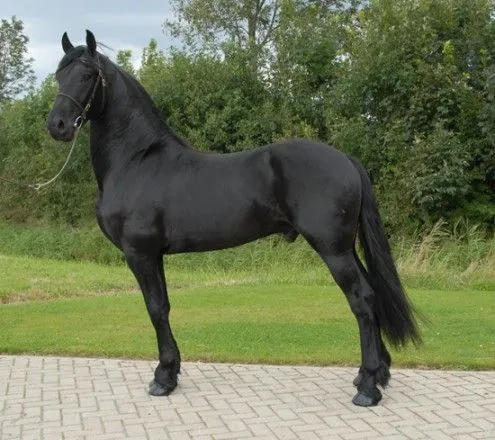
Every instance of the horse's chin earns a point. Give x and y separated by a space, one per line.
65 136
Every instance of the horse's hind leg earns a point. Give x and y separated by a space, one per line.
383 374
346 272
151 278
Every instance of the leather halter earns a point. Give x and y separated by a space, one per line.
84 110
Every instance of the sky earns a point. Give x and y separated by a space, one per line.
119 24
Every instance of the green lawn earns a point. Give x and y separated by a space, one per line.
28 279
236 320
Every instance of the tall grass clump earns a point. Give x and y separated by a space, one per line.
58 243
441 257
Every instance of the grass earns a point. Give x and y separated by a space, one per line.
461 258
29 279
267 301
96 310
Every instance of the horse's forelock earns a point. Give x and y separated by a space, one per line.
70 56
76 53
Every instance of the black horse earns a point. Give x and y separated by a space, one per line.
157 196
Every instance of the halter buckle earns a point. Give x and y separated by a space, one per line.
78 122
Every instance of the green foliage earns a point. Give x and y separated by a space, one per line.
124 60
30 155
308 43
216 26
215 104
16 74
437 176
407 86
409 102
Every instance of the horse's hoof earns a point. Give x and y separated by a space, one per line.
357 380
361 399
157 389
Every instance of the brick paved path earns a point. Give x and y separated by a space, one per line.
64 398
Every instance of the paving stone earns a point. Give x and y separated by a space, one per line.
83 399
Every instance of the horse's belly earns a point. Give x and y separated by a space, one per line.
226 235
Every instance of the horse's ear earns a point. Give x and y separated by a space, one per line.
91 42
66 44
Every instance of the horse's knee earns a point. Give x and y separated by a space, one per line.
361 302
159 316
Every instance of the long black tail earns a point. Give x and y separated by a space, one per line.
394 312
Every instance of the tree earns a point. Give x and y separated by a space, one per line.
218 25
216 104
124 60
247 25
307 46
411 102
16 74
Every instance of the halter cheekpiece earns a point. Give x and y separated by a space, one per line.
84 110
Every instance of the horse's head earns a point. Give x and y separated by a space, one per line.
82 88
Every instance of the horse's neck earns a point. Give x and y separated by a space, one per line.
130 124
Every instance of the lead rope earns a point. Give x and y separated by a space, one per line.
77 124
39 185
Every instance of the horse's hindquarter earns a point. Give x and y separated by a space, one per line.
321 187
314 170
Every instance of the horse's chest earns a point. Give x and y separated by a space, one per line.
111 221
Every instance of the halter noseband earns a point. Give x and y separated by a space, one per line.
84 110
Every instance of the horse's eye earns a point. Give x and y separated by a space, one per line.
86 77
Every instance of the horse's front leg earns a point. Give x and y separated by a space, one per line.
151 278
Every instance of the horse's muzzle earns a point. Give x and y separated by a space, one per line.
61 130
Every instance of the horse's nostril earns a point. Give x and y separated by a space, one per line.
60 124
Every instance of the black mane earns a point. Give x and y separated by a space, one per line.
70 56
132 81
